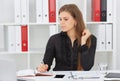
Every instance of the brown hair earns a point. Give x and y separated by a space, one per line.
77 15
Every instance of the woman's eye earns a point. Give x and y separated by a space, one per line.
60 19
65 19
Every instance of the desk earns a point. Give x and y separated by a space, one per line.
71 76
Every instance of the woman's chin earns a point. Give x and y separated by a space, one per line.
64 30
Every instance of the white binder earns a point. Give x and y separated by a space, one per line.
24 11
17 8
18 38
109 10
109 37
52 30
10 38
101 37
45 11
39 13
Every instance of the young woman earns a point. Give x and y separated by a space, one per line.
74 47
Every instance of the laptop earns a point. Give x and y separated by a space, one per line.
7 70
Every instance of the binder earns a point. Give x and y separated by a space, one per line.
24 12
109 10
103 10
45 11
39 13
101 37
17 9
109 41
96 10
10 36
99 31
24 38
18 38
52 30
52 10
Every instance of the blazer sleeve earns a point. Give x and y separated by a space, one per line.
49 52
88 54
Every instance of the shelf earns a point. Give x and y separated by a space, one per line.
13 24
42 23
12 53
99 22
104 51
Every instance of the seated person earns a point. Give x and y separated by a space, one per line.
74 47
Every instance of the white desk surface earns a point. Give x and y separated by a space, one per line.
80 75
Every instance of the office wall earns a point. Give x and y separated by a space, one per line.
118 34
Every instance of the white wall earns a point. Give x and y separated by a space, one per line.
118 34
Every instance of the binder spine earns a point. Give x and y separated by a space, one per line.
96 10
17 6
24 12
101 37
18 38
52 10
24 37
109 37
109 11
103 10
45 11
52 30
39 11
10 38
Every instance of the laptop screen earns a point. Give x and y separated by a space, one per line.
7 70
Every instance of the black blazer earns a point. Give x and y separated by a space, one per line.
66 57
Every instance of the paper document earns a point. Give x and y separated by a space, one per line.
30 73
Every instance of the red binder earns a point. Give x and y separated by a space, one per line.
52 10
96 10
24 37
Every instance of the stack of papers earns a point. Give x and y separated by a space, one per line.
30 73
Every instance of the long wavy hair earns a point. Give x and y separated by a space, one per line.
77 15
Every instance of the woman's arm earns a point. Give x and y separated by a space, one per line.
50 52
88 54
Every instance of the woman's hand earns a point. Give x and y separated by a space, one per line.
42 67
85 35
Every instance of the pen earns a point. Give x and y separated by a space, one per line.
42 62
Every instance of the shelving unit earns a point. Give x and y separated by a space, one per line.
39 33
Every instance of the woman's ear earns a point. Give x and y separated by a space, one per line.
75 24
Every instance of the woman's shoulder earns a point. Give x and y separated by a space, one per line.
56 36
93 38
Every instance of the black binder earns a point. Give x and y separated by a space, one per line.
103 10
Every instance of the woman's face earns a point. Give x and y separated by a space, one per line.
67 22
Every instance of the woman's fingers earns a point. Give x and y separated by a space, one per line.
42 67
